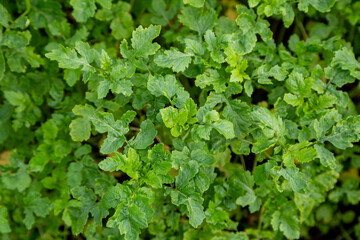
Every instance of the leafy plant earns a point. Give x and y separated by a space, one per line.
194 119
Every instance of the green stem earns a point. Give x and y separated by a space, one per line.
246 141
328 83
185 136
243 161
131 4
254 165
345 234
267 155
262 210
302 28
167 96
28 8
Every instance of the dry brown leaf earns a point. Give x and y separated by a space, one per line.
5 157
230 8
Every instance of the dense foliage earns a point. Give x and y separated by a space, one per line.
179 119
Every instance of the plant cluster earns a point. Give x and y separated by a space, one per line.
179 119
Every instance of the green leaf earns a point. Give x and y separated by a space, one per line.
163 86
301 152
80 209
320 5
38 161
124 87
19 180
122 69
211 77
288 15
216 215
142 38
116 129
245 180
193 47
225 128
253 3
83 9
173 116
66 57
38 205
195 3
327 158
104 3
129 165
243 43
80 129
262 172
71 76
296 84
344 133
293 100
174 119
112 143
50 129
173 59
104 122
18 60
215 45
146 135
74 174
197 19
153 179
202 157
236 111
286 220
249 89
16 39
4 218
345 59
122 24
115 195
62 148
103 88
306 155
113 163
267 121
324 124
4 16
129 219
85 51
262 145
2 64
195 209
295 178
187 173
245 22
